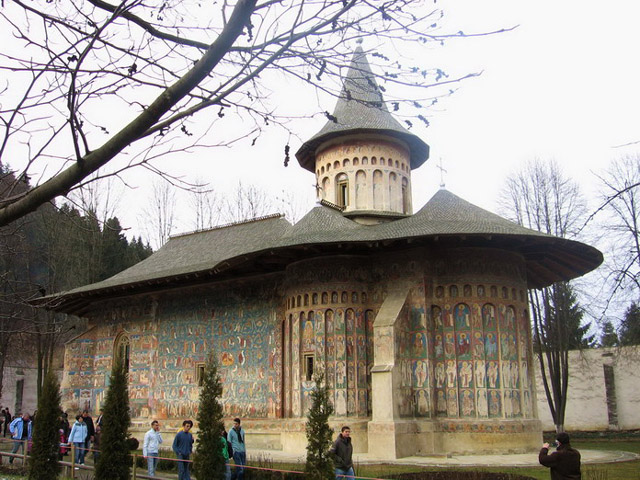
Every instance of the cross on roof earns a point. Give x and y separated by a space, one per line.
442 172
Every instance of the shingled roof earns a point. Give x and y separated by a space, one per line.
361 109
272 242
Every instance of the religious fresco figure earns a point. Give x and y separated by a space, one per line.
465 374
440 374
491 345
449 346
452 373
495 404
480 373
436 312
489 316
482 403
438 347
464 346
492 374
462 316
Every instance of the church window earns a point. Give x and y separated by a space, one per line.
467 290
200 366
299 304
365 161
397 164
306 299
334 297
328 167
494 291
405 196
345 297
354 297
481 291
336 164
439 292
505 292
122 350
356 161
374 161
308 366
346 162
514 294
390 163
342 190
364 297
325 298
314 299
322 169
453 291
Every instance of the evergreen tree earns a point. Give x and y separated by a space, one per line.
43 464
630 326
208 461
319 464
609 337
114 462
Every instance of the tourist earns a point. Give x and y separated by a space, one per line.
91 430
20 429
151 447
224 446
182 447
7 421
78 436
341 451
236 438
564 462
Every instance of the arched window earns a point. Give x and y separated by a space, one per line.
342 190
122 350
406 202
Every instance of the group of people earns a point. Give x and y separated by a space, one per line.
232 445
564 463
84 435
5 420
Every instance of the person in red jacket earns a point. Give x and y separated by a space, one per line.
564 463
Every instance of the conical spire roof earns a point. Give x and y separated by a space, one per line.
361 109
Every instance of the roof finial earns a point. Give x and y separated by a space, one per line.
442 172
359 40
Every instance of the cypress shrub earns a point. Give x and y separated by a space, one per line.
43 464
114 462
319 465
208 461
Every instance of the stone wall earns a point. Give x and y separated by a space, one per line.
604 390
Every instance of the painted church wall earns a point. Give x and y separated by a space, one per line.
169 341
597 401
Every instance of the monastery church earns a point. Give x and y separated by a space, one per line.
419 321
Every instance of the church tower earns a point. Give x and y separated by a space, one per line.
363 156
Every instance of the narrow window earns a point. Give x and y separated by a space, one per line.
342 190
200 374
308 366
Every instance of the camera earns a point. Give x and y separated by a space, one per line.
554 444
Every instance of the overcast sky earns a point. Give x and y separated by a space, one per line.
564 84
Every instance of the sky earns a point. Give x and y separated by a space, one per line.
563 85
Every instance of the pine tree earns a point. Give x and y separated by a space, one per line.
630 326
43 464
319 464
114 462
609 337
208 461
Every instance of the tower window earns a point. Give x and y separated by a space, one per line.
342 190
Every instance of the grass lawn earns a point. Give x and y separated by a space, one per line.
609 471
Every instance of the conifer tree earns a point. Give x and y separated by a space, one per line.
114 462
43 464
208 461
319 464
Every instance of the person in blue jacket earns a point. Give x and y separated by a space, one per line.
78 436
20 430
236 439
182 447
